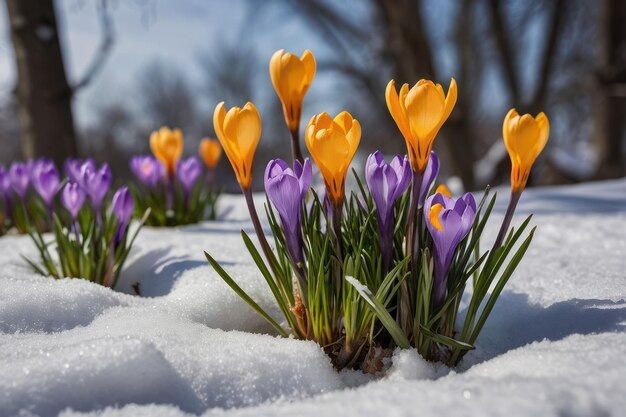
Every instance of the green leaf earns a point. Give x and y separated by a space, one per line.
448 341
500 285
381 312
279 293
244 296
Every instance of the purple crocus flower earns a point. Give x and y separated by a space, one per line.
286 188
386 183
45 180
73 168
20 178
96 183
188 171
429 176
5 190
122 206
73 197
5 181
147 169
448 220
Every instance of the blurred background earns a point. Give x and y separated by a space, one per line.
95 77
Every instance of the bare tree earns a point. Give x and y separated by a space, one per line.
231 74
611 91
392 39
165 97
44 95
9 132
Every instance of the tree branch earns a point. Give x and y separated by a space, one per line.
549 55
104 49
407 41
504 47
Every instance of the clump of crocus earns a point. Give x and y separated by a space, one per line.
90 241
363 273
292 77
171 187
419 112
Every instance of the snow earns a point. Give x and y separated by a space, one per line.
555 344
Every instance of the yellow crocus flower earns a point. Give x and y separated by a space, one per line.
239 132
443 189
167 147
419 113
210 151
332 144
292 77
524 137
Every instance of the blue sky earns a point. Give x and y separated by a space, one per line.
175 32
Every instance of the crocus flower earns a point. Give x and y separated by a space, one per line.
5 190
147 169
188 171
73 197
286 189
332 144
96 183
239 132
448 220
167 147
386 182
122 206
210 151
45 180
292 77
73 168
20 178
5 182
443 189
419 113
525 137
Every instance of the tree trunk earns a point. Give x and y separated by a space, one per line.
611 103
43 93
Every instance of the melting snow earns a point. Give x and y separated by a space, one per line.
555 344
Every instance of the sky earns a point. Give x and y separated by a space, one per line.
174 32
179 32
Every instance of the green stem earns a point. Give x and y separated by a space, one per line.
296 152
338 238
412 249
258 229
506 222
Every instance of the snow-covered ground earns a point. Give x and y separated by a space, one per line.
554 346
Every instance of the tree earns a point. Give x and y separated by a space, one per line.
165 97
611 82
43 93
392 39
